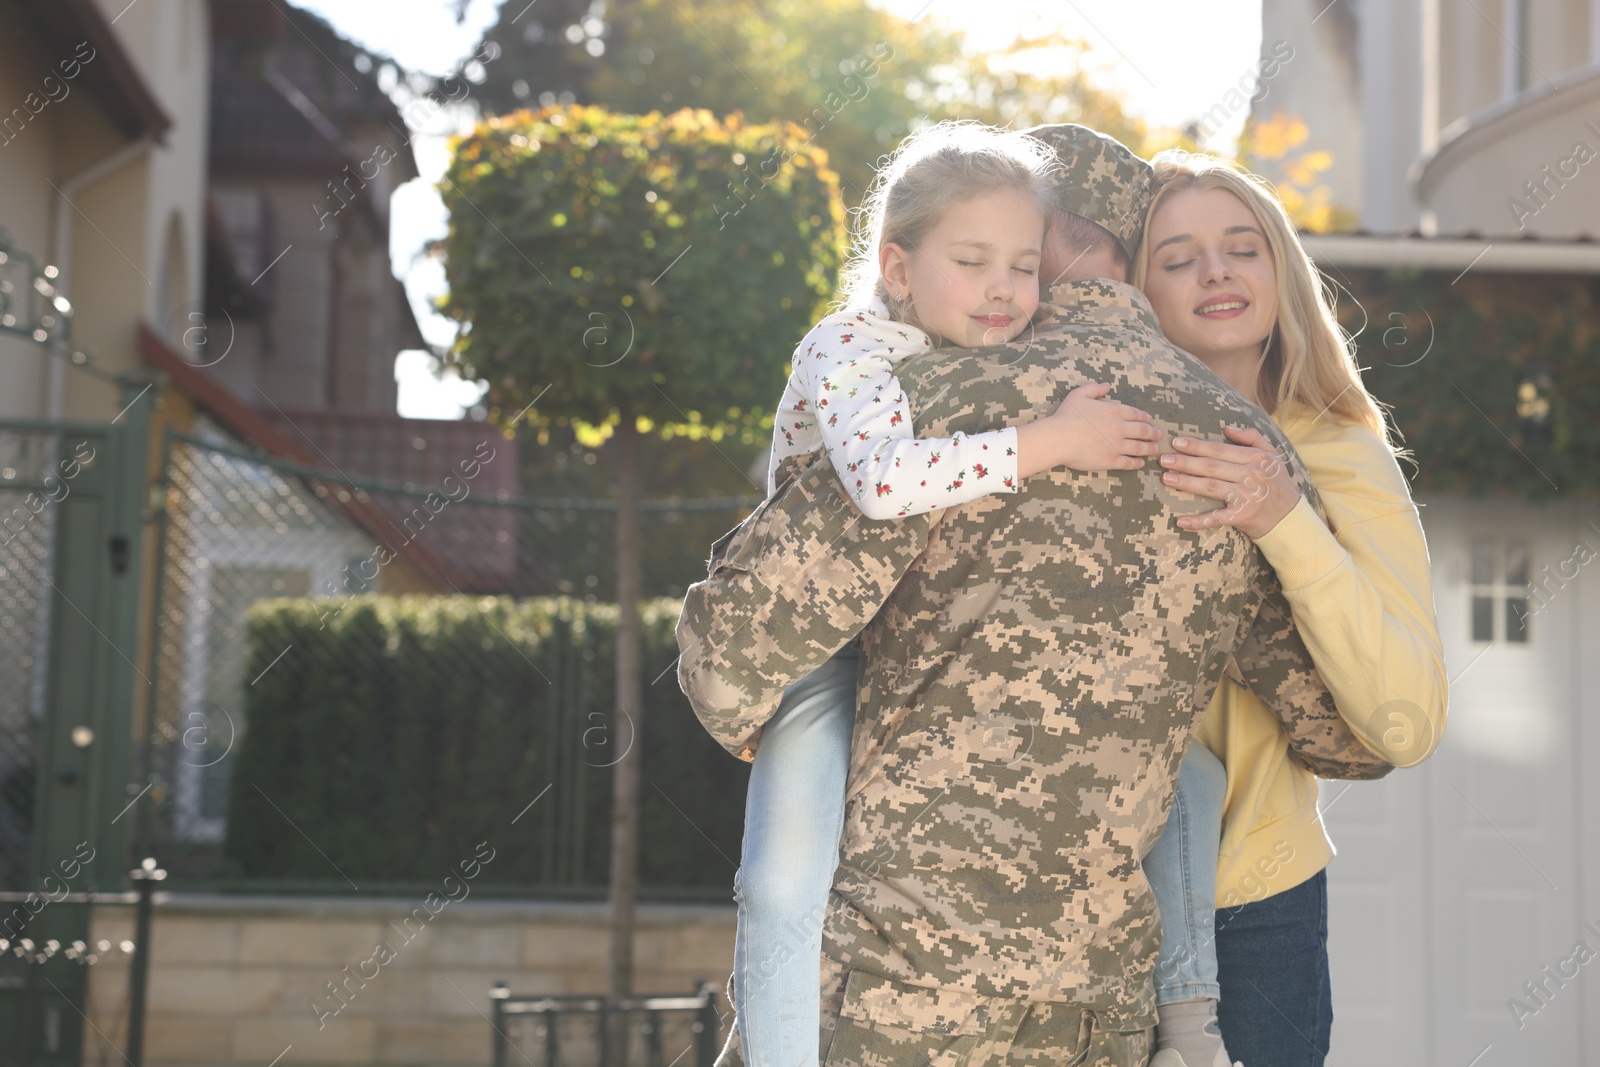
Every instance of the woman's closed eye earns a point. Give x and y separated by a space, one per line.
1245 253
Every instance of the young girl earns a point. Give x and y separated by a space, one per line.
948 254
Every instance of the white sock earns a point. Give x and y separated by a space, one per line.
1190 1026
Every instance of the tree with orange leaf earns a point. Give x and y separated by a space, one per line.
1308 201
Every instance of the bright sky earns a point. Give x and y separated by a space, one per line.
1195 54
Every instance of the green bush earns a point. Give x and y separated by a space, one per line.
399 732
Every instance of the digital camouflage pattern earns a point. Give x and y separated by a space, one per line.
1029 686
877 1022
1035 669
1099 178
789 587
806 565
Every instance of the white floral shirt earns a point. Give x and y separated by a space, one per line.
843 396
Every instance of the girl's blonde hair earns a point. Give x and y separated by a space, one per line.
934 168
1309 361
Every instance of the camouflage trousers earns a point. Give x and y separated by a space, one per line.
871 1021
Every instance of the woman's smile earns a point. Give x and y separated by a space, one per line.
1230 306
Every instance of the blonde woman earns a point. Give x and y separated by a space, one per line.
1231 284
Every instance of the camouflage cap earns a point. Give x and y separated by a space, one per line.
1100 178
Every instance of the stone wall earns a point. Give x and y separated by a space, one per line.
238 980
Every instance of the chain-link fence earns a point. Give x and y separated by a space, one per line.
406 662
30 484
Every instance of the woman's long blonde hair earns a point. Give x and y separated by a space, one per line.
934 168
1309 361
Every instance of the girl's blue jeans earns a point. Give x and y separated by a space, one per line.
794 812
1182 869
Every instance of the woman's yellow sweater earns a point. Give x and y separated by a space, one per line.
1363 601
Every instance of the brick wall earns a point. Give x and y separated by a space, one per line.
234 980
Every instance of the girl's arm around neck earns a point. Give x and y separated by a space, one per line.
846 369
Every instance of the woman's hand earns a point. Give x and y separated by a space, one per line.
1248 476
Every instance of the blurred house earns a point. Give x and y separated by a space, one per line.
1444 118
304 153
1465 139
102 177
195 278
305 150
294 355
102 192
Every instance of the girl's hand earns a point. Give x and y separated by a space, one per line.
1088 433
1248 476
1097 434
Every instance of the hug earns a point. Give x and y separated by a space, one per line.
1085 553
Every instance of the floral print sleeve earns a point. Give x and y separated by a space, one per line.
843 396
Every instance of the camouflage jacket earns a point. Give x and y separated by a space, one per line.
805 572
1033 666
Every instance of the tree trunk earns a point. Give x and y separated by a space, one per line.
629 717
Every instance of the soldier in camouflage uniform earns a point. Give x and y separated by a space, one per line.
1032 668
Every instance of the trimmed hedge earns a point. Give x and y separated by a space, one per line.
401 731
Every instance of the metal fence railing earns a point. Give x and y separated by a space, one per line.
237 530
656 1031
26 953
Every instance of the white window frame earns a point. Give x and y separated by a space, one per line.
1499 591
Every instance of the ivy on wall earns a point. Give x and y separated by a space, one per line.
1493 379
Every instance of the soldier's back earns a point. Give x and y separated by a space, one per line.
1028 687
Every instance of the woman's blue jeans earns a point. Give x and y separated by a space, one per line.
794 812
1182 869
1272 957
